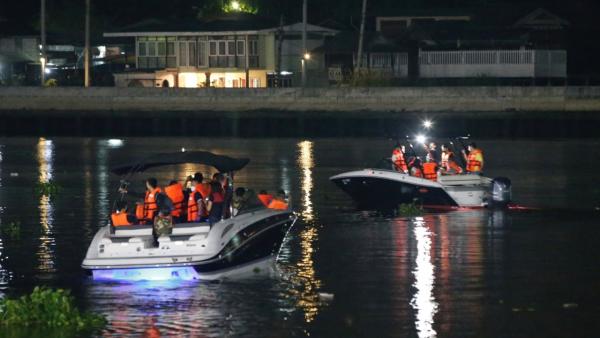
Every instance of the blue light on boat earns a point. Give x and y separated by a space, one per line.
146 274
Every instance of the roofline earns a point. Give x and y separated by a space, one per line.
135 34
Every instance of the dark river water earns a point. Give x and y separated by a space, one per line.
341 272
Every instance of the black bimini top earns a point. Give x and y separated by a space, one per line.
220 162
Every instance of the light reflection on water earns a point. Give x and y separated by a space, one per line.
423 300
45 253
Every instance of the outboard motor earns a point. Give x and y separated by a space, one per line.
501 192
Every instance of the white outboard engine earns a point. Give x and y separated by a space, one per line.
501 192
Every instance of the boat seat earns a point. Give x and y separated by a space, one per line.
190 228
134 230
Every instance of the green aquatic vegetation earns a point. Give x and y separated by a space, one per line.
48 188
47 308
11 229
410 210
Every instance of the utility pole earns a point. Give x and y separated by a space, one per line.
43 42
86 51
361 38
304 52
279 46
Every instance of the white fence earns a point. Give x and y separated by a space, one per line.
493 63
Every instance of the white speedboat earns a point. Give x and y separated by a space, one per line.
375 188
232 246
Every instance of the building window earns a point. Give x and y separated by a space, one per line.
231 48
213 48
192 53
142 49
222 50
183 54
201 53
151 48
253 47
162 50
240 48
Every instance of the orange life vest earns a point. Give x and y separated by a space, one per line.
474 163
175 193
430 171
149 209
448 162
278 205
416 172
399 162
119 219
192 206
204 189
265 199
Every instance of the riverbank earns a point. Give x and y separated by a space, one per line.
285 100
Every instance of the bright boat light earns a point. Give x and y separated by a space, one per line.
421 139
146 274
427 124
115 142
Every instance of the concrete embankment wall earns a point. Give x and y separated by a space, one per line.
400 99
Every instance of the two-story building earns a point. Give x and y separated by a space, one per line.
232 51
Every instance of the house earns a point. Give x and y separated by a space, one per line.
232 51
435 44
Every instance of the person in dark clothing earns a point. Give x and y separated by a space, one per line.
215 204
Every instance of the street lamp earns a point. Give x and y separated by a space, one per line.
235 5
306 56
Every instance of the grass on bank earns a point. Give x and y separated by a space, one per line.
46 308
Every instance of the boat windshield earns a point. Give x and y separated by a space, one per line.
247 202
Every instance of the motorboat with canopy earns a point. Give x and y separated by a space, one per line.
196 250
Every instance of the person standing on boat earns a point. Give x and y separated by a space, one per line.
448 164
474 158
175 193
215 203
196 206
398 161
155 201
433 155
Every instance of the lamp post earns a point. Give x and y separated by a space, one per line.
86 52
43 42
304 51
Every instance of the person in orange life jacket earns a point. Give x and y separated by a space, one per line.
279 202
415 167
215 203
155 201
398 161
265 197
447 164
474 159
175 193
120 217
196 206
430 169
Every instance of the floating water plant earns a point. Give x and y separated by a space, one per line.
48 188
11 229
410 210
47 308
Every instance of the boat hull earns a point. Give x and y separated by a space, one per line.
382 189
251 247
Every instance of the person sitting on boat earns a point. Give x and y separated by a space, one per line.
448 164
415 167
120 217
244 199
279 202
265 197
474 158
398 161
430 169
175 193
